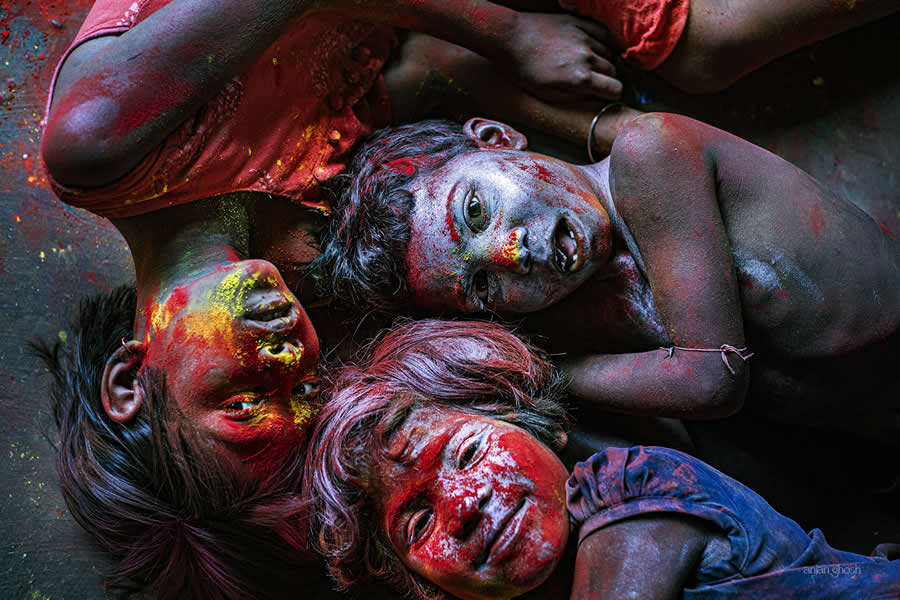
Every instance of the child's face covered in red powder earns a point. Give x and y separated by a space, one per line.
473 504
240 356
503 230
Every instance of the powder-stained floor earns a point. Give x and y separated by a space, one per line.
833 109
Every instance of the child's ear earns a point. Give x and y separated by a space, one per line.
494 134
122 398
560 440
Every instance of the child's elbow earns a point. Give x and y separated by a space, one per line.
720 393
79 149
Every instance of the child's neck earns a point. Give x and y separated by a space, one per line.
598 176
172 245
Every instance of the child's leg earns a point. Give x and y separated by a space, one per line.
726 39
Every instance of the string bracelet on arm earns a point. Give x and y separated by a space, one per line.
724 349
590 135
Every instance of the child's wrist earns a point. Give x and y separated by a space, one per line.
605 126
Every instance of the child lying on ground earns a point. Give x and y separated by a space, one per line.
433 467
665 266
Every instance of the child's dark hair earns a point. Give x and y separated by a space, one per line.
474 367
364 246
177 523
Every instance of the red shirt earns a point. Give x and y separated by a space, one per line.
281 126
645 30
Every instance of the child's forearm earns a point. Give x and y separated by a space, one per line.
436 78
665 383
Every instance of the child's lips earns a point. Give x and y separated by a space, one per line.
274 316
568 253
502 540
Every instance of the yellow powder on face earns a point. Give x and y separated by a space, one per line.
304 411
288 360
214 325
224 303
160 317
232 291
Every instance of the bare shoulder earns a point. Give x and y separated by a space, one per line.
69 73
667 137
656 146
659 158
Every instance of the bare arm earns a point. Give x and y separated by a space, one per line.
118 97
643 557
435 78
664 183
724 40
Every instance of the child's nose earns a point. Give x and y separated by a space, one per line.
468 513
511 252
282 355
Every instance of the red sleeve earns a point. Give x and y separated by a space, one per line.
646 31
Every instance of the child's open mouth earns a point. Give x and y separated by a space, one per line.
277 316
567 253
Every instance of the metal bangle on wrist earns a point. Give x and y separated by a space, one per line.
590 135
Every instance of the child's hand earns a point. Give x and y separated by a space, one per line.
562 58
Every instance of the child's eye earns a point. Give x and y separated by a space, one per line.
476 213
481 287
305 389
417 525
242 408
468 453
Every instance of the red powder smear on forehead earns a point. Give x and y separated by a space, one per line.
451 226
545 175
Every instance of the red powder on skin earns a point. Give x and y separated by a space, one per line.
481 15
230 253
540 172
817 220
689 373
886 231
509 254
451 226
148 308
178 299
